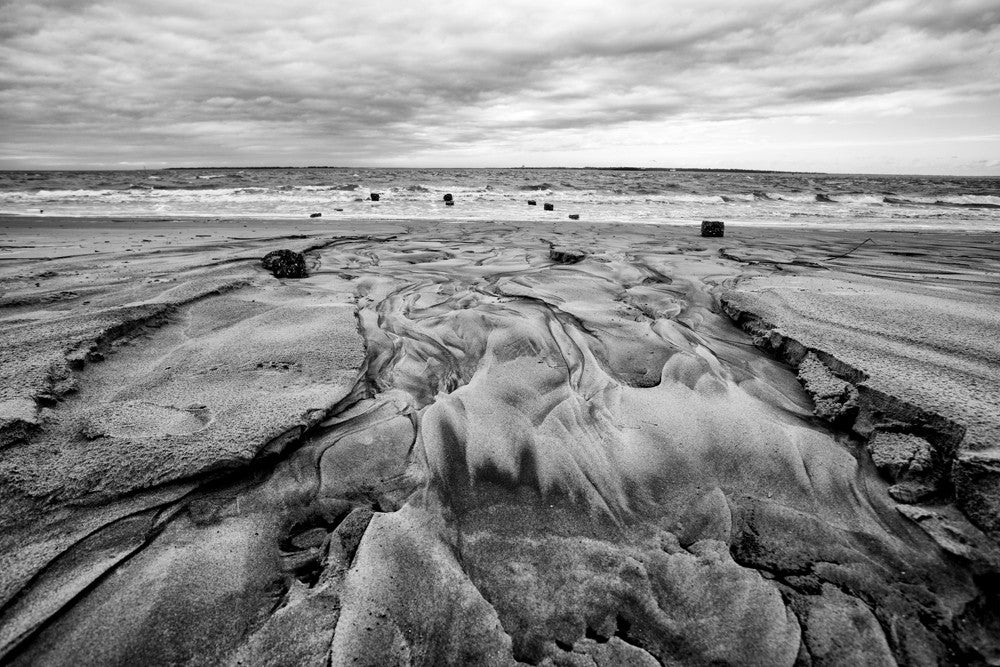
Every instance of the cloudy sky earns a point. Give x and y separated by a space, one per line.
896 86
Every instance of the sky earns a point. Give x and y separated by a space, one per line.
893 86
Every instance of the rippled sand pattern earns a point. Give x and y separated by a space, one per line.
582 464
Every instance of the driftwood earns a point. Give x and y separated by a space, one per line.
867 240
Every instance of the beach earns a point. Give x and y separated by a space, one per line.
444 446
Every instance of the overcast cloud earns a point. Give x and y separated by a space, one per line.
893 86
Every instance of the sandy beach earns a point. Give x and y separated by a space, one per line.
778 447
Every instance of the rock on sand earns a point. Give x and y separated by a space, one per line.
285 264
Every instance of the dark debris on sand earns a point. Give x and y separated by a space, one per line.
285 264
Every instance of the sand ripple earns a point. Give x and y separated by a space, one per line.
537 463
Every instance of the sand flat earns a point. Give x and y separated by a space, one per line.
442 446
911 321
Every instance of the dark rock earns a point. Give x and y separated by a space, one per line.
713 228
550 207
824 199
375 196
449 203
532 202
574 216
566 255
448 198
338 209
285 264
315 215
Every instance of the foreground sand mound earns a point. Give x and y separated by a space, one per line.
531 463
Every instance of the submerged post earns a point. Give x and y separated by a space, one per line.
713 228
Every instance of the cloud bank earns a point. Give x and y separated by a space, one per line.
897 85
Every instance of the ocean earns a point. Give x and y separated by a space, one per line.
596 195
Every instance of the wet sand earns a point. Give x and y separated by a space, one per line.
443 447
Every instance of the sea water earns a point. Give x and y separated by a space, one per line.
596 195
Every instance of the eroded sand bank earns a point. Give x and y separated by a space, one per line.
444 448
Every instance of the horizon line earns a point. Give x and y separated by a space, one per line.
548 168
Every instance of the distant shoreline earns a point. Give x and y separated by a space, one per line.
681 169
